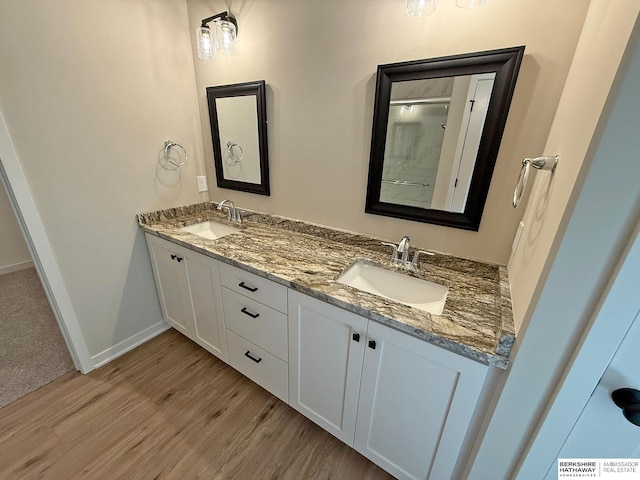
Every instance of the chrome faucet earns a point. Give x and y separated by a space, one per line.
400 254
403 248
233 214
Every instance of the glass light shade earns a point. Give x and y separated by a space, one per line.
470 3
420 8
225 37
206 43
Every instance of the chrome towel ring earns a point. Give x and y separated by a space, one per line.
233 154
168 145
539 163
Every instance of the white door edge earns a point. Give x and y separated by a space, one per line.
594 353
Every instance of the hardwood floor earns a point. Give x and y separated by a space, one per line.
168 409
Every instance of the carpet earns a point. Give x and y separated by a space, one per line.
32 349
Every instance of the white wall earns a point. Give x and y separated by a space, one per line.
610 186
90 90
602 43
14 254
319 61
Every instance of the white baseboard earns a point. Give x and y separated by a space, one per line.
130 343
15 267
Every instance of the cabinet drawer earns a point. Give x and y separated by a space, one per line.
256 322
265 369
255 287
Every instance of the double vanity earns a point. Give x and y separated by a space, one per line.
393 362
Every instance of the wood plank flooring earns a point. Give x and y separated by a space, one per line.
168 409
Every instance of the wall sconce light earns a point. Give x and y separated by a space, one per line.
422 8
221 39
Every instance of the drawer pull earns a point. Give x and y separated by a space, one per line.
247 312
255 359
246 287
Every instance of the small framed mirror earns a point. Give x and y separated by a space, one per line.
437 127
238 117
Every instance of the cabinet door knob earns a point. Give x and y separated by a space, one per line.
356 337
628 399
255 359
179 259
247 312
372 344
173 257
246 287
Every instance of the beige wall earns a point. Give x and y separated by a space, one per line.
14 253
319 61
90 90
597 58
90 100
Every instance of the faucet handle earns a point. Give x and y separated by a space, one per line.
394 257
405 243
404 247
414 262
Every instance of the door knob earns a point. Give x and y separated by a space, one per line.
628 399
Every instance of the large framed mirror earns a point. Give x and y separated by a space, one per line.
238 117
437 126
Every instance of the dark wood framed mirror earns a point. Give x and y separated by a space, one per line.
437 127
238 117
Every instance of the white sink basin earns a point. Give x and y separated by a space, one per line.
210 230
410 291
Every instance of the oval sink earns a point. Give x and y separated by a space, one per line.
404 289
210 230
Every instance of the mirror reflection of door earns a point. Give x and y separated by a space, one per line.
433 133
453 183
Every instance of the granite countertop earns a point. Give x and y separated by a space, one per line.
477 320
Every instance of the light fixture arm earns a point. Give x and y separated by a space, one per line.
222 16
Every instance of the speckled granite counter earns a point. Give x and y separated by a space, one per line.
477 320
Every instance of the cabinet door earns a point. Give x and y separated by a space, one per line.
416 402
206 303
170 276
326 350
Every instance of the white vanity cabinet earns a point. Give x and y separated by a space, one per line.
255 311
188 286
326 351
416 403
403 403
